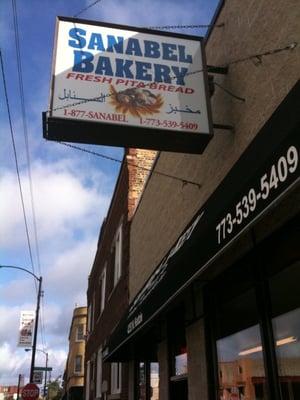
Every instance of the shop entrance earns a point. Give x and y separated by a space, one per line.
147 380
255 322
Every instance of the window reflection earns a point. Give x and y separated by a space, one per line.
181 362
241 367
286 327
154 381
142 381
148 381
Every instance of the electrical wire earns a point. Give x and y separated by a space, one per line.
24 121
86 8
185 26
16 162
156 27
183 181
25 130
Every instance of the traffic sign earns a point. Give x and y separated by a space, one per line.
43 368
30 392
37 377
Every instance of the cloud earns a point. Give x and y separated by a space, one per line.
68 202
16 361
69 273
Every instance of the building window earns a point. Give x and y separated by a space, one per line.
87 381
118 256
178 354
116 371
99 374
102 284
80 333
177 343
91 314
78 364
89 318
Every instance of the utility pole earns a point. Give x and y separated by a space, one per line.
35 328
19 383
36 314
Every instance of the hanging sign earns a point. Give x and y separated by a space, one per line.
26 328
144 88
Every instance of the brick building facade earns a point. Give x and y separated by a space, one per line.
108 291
213 265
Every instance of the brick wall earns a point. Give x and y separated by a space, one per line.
250 27
125 198
139 165
128 188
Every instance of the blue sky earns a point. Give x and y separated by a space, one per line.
71 189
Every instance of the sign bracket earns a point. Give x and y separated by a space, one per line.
224 127
217 70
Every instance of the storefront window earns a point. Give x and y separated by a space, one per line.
239 348
148 381
181 361
177 343
178 355
141 381
241 368
284 289
154 381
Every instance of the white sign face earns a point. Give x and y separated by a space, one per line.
38 377
123 77
26 328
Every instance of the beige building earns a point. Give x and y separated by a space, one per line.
74 372
214 258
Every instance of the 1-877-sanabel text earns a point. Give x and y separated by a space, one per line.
103 116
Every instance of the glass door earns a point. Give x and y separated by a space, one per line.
147 380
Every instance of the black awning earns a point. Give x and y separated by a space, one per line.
265 172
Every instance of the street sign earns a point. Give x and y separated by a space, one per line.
37 377
30 392
43 368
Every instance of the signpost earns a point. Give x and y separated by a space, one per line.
43 369
38 377
127 86
30 392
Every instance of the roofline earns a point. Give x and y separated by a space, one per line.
214 20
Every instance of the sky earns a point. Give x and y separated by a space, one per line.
71 190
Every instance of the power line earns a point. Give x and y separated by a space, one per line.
183 181
186 26
16 161
24 120
25 130
86 8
